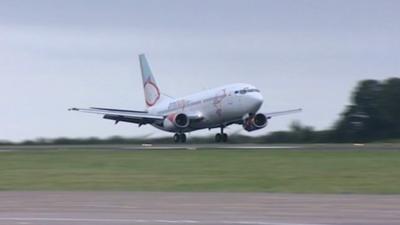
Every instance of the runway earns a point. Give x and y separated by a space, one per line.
161 208
146 146
189 146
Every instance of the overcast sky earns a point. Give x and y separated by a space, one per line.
309 54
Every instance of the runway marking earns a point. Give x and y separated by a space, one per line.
195 147
160 221
259 147
6 150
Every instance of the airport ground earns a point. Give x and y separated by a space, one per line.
186 208
200 184
244 168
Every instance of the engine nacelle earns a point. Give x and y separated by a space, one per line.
179 120
255 122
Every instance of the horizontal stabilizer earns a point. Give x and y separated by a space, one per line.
140 117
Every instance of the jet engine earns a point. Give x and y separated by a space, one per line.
255 122
179 120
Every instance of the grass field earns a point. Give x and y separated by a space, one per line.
305 171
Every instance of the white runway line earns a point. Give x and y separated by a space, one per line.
195 147
260 147
157 221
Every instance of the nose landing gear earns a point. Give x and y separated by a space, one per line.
180 137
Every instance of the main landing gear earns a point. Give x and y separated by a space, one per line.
180 137
221 137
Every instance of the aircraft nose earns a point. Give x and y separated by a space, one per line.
256 100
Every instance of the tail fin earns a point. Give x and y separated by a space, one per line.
152 94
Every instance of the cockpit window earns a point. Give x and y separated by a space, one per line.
253 90
246 90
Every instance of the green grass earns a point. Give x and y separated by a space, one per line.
306 171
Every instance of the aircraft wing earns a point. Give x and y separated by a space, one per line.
130 116
281 113
267 115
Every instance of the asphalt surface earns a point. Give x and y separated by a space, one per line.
145 146
121 208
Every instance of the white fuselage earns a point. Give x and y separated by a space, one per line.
217 107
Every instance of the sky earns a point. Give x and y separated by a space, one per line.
310 54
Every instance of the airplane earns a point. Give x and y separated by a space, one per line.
214 108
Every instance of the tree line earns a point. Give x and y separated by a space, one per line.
372 115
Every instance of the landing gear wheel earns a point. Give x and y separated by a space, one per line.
182 137
224 137
218 137
221 137
177 138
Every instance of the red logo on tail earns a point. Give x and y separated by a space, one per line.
152 93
